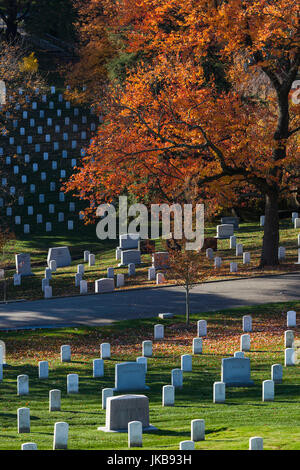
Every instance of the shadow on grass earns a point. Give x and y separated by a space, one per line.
166 432
82 412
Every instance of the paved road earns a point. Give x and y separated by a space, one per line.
95 310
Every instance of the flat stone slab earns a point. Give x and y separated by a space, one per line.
236 372
224 231
129 241
123 409
164 316
61 255
130 376
130 256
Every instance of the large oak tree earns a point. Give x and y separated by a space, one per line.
169 127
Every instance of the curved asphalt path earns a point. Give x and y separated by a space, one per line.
96 310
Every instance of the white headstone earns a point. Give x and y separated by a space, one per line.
202 328
276 373
147 348
43 370
177 378
131 269
83 287
53 265
80 269
78 279
247 323
65 353
98 368
281 252
22 385
106 393
23 420
135 434
151 274
47 292
233 267
297 223
72 383
256 443
186 445
105 351
54 400
120 280
158 332
245 343
197 345
92 260
110 273
239 354
289 357
168 395
291 319
45 283
186 363
219 392
246 257
239 249
289 339
61 432
2 352
17 279
197 430
268 390
29 446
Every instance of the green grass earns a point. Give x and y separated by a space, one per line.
250 235
228 426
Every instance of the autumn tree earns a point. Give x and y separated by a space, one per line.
169 126
96 48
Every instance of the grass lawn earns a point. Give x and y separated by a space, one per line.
228 426
63 283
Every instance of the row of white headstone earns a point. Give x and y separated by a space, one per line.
102 285
135 436
18 219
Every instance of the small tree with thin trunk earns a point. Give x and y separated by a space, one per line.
185 266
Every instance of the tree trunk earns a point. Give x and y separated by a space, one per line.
187 305
11 31
269 255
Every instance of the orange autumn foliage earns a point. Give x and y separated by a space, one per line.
168 128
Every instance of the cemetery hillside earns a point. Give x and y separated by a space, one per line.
149 227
